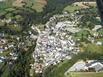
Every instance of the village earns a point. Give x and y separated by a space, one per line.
57 42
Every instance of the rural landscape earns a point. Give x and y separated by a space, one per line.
51 38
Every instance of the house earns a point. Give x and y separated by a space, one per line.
99 43
1 50
97 66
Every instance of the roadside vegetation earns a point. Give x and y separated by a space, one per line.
85 74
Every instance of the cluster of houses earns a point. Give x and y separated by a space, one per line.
4 46
55 43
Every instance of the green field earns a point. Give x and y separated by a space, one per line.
86 74
71 8
94 48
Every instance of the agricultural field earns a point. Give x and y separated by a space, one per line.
79 5
34 4
86 74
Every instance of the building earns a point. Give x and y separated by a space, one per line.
85 66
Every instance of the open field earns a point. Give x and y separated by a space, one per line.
86 74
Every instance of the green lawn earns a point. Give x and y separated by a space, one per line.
86 74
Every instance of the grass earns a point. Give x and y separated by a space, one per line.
82 34
37 5
94 48
101 31
6 73
71 8
86 74
5 4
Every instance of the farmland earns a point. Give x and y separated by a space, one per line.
79 5
34 4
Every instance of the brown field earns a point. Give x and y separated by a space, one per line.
39 4
36 4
